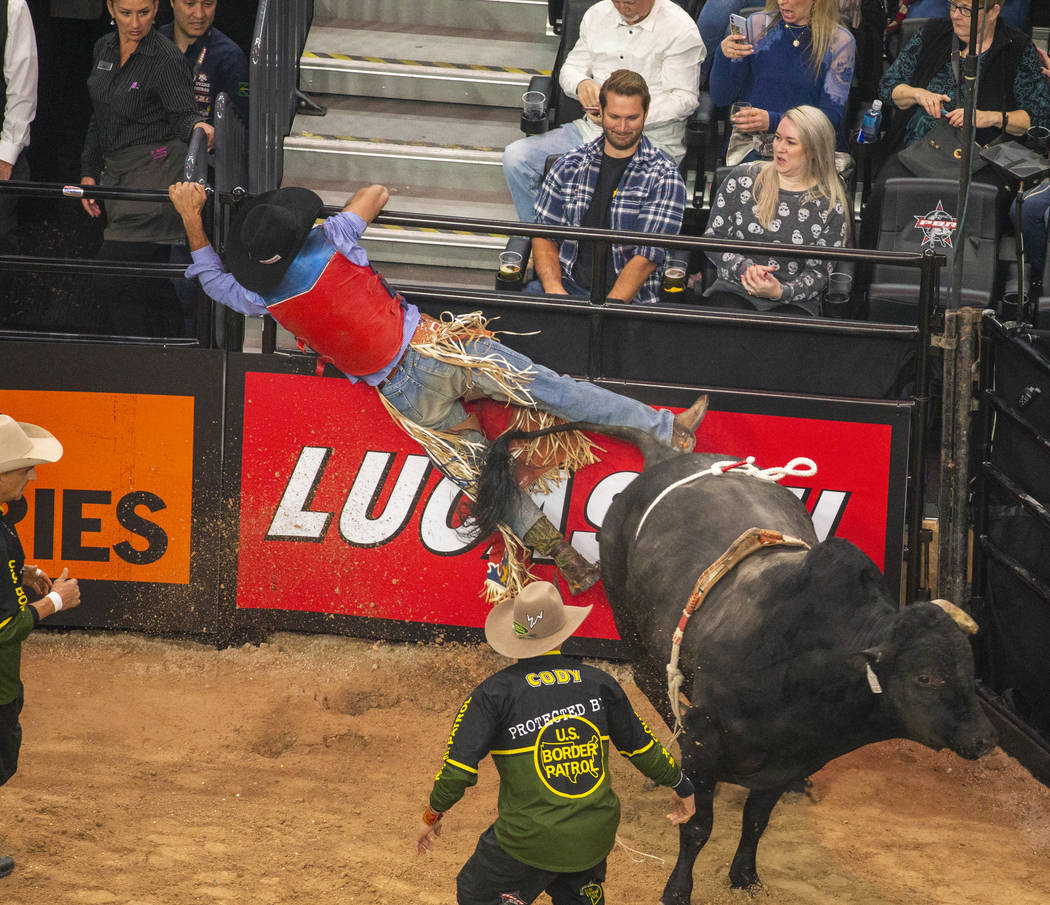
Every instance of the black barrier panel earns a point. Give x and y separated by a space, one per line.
296 460
132 507
762 353
701 347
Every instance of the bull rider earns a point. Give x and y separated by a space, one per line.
319 285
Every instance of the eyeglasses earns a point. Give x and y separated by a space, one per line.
964 11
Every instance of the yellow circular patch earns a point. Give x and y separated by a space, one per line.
569 757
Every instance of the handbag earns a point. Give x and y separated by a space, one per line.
939 152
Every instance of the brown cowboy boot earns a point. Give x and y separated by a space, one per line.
544 538
683 433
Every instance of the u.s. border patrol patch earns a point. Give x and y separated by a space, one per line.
569 757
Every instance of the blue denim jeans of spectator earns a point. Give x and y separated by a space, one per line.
1014 12
1034 217
428 392
535 287
523 162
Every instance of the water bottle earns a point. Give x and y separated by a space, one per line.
869 127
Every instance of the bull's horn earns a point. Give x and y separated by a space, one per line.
959 617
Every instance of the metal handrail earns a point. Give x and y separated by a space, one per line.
280 33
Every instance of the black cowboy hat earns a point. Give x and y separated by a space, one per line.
267 233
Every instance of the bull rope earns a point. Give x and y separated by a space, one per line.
747 543
799 467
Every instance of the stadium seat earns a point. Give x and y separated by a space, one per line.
919 215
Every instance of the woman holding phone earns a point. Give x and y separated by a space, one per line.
794 199
800 55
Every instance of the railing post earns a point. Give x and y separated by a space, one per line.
917 458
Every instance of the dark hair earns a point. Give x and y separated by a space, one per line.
626 83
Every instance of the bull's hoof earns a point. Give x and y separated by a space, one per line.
747 880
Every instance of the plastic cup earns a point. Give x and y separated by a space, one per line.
676 266
533 104
509 265
840 287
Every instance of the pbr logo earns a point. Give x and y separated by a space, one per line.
937 227
569 757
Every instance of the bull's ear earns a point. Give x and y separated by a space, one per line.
866 660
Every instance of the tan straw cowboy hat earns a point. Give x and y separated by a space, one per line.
23 445
532 623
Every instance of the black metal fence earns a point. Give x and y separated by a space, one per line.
281 27
1011 577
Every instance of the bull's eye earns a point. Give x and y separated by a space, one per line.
925 680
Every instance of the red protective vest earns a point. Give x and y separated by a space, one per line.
349 317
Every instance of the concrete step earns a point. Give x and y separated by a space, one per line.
404 143
506 16
426 64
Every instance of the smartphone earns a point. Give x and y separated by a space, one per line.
738 26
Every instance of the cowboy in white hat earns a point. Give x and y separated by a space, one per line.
22 447
547 721
316 282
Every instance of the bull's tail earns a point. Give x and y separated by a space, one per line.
497 482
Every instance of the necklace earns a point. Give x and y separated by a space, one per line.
801 29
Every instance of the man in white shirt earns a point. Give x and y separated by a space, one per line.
19 78
655 38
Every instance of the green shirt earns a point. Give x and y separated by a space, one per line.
547 722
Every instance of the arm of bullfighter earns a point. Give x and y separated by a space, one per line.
468 742
635 741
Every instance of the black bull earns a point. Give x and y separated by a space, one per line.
779 657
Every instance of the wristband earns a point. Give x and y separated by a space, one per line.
1006 120
430 816
56 599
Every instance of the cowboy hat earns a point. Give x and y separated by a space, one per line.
267 233
532 623
23 445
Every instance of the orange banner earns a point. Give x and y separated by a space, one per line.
118 505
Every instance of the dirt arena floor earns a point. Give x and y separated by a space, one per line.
162 773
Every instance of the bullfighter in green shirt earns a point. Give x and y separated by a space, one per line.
22 447
547 721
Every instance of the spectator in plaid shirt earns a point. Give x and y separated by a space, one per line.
618 181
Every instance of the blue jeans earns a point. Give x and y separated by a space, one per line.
713 23
535 287
1014 12
1034 216
428 392
523 162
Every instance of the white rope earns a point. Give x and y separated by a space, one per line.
800 467
635 851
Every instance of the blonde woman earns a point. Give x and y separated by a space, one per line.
800 55
795 199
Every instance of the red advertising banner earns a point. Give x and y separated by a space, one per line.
342 513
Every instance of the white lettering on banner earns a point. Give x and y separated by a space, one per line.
357 525
594 510
293 520
827 511
435 532
360 526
